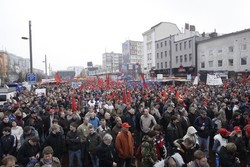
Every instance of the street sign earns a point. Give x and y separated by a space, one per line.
31 78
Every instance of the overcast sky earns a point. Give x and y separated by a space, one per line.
73 32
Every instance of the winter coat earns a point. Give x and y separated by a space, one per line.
227 159
106 154
55 163
27 151
57 142
172 133
93 141
199 122
8 144
73 141
148 152
124 144
25 138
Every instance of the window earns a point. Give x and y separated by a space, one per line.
176 47
230 62
231 49
185 45
243 61
177 59
211 63
161 55
244 47
220 51
210 52
203 65
166 53
166 64
157 56
157 45
189 44
181 58
219 63
161 44
180 46
165 43
190 57
161 65
158 66
185 58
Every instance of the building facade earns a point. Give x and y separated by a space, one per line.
156 33
229 53
132 52
175 55
77 69
111 62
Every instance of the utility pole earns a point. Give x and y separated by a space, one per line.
30 40
45 61
170 45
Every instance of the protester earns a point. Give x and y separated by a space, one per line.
48 159
200 160
227 156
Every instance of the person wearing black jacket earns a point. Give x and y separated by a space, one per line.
106 152
8 142
56 141
227 156
29 152
5 123
74 145
93 141
203 125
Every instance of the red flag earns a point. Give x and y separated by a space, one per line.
177 95
164 94
124 97
171 89
107 81
73 103
144 82
130 100
79 103
57 78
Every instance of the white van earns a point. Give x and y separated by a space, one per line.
6 94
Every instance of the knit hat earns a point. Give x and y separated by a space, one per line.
191 130
237 129
48 150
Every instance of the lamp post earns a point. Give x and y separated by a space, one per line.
45 61
30 46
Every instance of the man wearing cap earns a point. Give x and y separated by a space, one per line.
125 146
221 139
203 125
48 159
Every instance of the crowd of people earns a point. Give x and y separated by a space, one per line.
169 126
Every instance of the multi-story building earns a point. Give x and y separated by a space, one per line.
132 52
77 69
3 66
111 62
156 33
228 53
175 55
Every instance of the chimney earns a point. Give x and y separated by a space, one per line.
192 28
186 26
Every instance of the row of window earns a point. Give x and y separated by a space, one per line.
165 54
158 65
179 45
181 58
161 44
230 50
243 61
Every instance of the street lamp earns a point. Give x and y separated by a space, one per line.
30 46
45 61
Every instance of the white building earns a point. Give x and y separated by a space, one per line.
111 62
132 52
226 53
77 69
156 33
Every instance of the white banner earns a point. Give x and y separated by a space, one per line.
214 80
196 80
40 92
159 76
76 85
189 77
